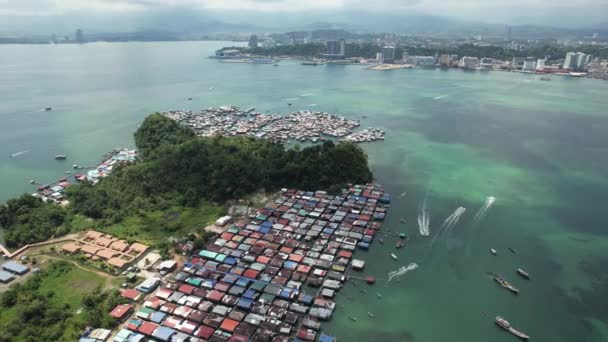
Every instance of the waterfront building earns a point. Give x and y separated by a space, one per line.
388 54
444 60
540 64
379 57
529 65
581 60
253 42
420 60
570 61
469 62
486 63
227 54
517 62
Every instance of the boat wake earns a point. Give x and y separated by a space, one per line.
439 97
423 220
481 213
305 95
449 223
312 105
401 271
19 153
292 99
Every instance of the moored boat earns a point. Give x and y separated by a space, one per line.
512 250
61 157
493 251
399 243
393 256
503 323
381 240
523 273
505 284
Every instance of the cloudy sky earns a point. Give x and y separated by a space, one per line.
542 12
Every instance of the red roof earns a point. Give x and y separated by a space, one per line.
131 294
345 254
238 338
253 274
229 325
147 328
215 296
204 332
121 311
187 289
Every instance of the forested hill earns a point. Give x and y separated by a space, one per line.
179 169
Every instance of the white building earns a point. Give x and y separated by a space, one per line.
540 64
269 43
222 221
529 65
469 62
379 57
582 59
570 61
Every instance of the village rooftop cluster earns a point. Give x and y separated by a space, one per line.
300 126
272 279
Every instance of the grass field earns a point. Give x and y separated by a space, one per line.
157 226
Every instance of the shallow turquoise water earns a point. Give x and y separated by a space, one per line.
538 147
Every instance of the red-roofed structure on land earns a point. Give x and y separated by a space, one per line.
121 311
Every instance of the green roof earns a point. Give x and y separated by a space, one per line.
220 257
207 254
195 281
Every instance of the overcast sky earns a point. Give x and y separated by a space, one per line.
545 12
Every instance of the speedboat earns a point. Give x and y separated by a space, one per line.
393 256
523 273
493 251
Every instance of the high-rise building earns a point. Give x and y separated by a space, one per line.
253 42
540 64
529 65
269 43
388 54
469 62
581 60
570 61
335 48
79 36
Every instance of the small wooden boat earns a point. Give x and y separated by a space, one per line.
354 319
394 256
492 251
61 157
402 220
370 314
512 250
399 244
523 273
378 295
381 241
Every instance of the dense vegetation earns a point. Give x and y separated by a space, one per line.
26 219
369 50
38 311
188 170
178 170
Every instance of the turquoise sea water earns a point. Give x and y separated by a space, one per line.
453 138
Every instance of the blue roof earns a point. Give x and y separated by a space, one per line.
158 316
163 333
264 230
363 245
230 261
250 294
326 338
15 267
6 277
243 282
266 224
244 303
